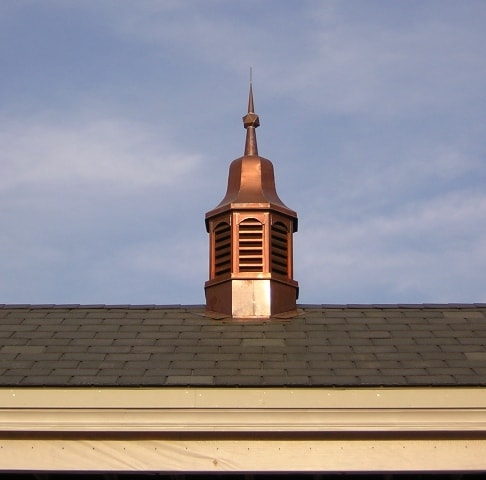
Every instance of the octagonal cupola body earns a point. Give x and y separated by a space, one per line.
251 240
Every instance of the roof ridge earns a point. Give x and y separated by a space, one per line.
302 306
97 305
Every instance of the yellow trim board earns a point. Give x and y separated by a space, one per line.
243 410
429 397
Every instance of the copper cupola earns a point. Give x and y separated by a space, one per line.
250 236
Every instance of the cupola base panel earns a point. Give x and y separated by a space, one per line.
248 299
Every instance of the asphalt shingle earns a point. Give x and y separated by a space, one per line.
324 346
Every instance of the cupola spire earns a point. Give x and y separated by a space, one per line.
251 121
251 244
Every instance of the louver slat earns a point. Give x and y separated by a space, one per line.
279 249
222 241
250 251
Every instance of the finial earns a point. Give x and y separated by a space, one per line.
250 122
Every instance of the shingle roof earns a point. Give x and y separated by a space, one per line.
353 345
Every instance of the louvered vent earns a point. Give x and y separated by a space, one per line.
250 251
222 247
280 253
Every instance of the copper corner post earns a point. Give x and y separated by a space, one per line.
251 240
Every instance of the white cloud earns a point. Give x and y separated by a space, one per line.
329 56
43 152
80 194
167 269
425 252
387 144
418 169
175 257
407 58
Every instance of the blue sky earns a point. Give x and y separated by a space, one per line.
119 119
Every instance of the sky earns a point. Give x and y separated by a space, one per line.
119 119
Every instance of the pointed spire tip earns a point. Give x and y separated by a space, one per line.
250 122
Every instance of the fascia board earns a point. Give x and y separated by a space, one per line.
268 398
243 410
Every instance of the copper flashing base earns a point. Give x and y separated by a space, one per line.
251 298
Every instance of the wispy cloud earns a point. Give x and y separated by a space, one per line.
79 194
372 113
46 152
427 251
